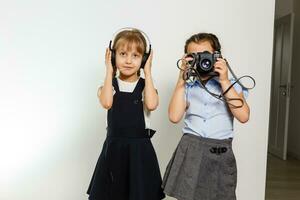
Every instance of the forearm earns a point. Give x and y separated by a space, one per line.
105 95
150 93
241 114
177 104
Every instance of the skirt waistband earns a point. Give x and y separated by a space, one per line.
209 141
129 133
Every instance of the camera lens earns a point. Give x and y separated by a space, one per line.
205 64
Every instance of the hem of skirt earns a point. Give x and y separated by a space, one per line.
175 195
159 197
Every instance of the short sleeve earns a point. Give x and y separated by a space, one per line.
101 83
187 88
238 88
186 92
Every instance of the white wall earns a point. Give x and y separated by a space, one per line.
51 60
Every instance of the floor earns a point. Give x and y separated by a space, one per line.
283 179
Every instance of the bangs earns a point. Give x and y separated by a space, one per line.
129 40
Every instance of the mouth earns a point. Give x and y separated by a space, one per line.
127 67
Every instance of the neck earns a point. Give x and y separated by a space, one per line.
131 78
204 78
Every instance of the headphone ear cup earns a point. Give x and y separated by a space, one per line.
113 58
144 59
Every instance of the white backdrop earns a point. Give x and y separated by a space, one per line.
52 61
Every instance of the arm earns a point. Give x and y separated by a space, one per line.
241 114
177 104
150 93
105 93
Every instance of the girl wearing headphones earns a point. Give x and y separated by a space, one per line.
127 168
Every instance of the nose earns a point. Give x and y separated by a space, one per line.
128 59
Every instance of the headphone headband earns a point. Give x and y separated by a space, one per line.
132 29
146 53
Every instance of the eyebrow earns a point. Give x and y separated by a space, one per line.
122 49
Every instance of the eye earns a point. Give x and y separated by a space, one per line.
136 55
122 53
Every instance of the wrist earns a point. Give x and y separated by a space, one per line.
109 69
224 82
147 73
109 73
180 75
180 81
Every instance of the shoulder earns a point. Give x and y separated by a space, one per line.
101 84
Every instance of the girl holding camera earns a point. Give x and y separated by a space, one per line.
203 166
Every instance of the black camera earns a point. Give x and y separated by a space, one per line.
204 62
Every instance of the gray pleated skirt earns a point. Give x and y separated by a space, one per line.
201 169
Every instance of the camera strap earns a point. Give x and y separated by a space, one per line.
190 74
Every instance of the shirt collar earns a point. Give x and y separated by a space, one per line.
213 80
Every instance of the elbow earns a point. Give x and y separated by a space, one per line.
106 101
244 119
151 107
174 119
106 105
244 116
175 115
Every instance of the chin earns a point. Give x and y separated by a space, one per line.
129 72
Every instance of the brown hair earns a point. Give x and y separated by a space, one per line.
130 37
201 37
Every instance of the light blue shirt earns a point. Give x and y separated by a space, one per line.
207 116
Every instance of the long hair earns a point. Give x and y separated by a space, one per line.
130 37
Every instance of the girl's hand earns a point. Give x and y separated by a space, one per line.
184 61
221 69
109 67
148 65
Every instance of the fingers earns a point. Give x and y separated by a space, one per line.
221 68
221 60
108 62
150 56
220 64
187 57
148 65
184 60
107 54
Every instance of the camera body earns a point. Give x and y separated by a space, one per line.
203 62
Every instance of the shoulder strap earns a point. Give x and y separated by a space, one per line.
139 86
115 84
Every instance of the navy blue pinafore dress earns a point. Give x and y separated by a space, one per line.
127 168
